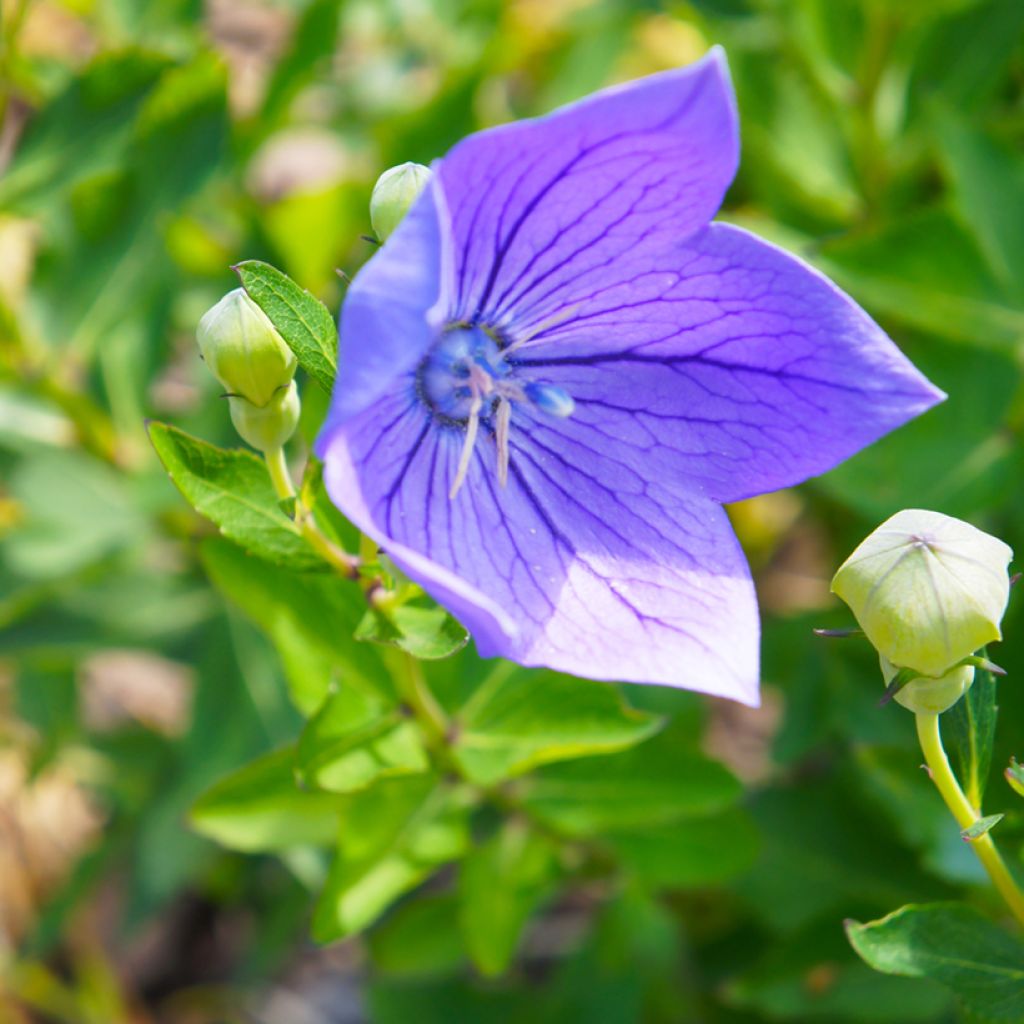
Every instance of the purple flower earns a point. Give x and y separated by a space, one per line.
556 370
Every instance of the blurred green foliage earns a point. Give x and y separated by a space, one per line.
609 866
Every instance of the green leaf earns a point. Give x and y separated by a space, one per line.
83 130
309 616
821 855
689 853
927 272
260 808
954 945
356 738
981 827
232 488
76 512
429 633
393 835
304 322
891 777
516 720
970 731
312 44
987 180
815 976
501 883
420 938
655 783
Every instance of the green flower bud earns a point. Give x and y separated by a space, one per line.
269 426
244 351
925 695
394 193
928 590
1014 775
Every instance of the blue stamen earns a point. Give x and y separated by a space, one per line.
551 399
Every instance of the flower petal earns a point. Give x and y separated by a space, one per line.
392 310
540 205
730 369
553 569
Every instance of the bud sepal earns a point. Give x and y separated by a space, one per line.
925 694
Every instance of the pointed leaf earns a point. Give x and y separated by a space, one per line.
657 782
393 835
304 322
981 827
516 720
954 945
232 488
501 883
310 618
970 731
429 633
260 807
356 738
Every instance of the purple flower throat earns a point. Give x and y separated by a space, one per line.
470 377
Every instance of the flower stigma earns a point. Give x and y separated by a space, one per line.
468 378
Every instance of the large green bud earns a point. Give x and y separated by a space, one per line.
928 590
244 351
395 192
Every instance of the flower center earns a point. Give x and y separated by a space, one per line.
467 378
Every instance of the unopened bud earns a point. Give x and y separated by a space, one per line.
395 192
268 426
244 351
928 590
925 695
1015 776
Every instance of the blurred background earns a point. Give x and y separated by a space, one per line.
145 147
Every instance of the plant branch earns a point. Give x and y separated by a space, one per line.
930 736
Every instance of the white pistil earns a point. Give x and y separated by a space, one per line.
480 384
502 417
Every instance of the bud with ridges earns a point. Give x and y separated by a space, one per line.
269 426
927 589
394 194
244 351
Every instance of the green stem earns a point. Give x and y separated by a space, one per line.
930 736
347 565
277 466
417 694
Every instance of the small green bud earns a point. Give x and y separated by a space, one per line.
244 351
269 426
925 695
1014 775
394 194
928 590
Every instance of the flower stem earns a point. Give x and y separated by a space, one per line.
930 736
279 475
347 565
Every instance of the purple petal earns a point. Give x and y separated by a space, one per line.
544 206
732 370
393 310
556 568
